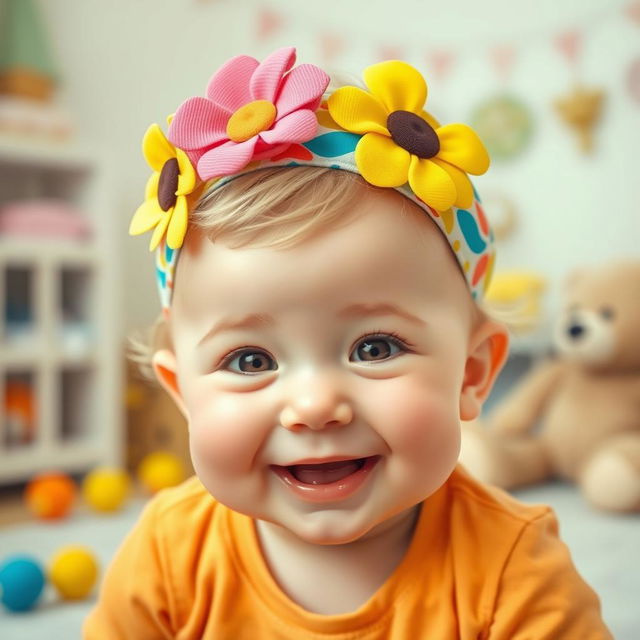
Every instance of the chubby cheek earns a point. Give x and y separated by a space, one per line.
419 422
225 431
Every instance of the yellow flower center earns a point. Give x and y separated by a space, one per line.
250 120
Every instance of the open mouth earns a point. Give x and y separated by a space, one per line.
326 481
325 472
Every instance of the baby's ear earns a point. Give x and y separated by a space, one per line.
488 349
165 366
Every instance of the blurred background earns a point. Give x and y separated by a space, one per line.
552 87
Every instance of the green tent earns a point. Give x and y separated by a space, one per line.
23 41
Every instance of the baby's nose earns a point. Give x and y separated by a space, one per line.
317 407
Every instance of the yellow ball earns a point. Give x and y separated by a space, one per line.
106 489
160 470
73 572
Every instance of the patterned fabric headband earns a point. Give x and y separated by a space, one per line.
272 114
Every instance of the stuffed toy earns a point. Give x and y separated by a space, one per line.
575 416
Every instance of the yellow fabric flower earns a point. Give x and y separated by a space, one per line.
402 142
170 191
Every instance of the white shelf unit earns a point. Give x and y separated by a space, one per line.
66 348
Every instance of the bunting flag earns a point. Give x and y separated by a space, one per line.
440 63
332 45
633 80
632 11
389 52
269 23
569 44
503 57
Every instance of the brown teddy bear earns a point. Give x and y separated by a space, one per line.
585 402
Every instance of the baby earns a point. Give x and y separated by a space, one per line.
323 337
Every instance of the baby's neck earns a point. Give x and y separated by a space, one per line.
334 579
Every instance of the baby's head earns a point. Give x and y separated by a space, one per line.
323 339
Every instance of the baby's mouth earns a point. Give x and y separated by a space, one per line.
325 472
325 482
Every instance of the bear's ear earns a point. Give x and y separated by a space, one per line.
574 277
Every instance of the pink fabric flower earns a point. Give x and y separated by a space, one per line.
252 111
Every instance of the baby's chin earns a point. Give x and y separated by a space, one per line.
322 535
338 529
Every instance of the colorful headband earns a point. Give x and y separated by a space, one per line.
270 114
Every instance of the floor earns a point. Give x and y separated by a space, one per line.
53 618
604 547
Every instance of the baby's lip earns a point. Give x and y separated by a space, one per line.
325 460
339 480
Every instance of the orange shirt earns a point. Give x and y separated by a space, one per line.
481 566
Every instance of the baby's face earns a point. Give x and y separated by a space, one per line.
322 383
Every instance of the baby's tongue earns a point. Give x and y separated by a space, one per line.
324 473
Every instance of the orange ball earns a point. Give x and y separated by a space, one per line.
50 495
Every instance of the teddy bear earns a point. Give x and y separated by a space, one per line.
575 415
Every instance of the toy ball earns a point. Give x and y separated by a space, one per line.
21 582
105 489
50 495
160 470
73 572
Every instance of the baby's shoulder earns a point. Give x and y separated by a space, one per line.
488 530
186 507
186 495
490 506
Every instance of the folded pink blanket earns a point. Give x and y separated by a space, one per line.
50 218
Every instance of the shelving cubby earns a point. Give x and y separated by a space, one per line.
60 347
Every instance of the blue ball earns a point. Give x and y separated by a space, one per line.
21 582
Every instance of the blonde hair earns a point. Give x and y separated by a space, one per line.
276 207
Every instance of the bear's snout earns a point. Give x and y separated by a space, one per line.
576 331
583 335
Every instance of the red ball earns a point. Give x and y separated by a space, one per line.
50 495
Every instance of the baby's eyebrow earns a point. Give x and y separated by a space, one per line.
380 309
250 321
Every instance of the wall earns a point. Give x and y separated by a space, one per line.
127 63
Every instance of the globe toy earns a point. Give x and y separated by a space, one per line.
73 572
105 489
21 582
50 495
160 470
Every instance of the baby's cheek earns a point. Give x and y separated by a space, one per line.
223 434
419 419
423 434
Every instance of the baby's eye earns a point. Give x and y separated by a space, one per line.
376 348
249 361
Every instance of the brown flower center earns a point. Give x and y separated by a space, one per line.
168 184
414 134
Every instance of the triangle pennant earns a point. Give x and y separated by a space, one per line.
632 11
568 43
389 52
440 62
332 45
503 58
269 23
